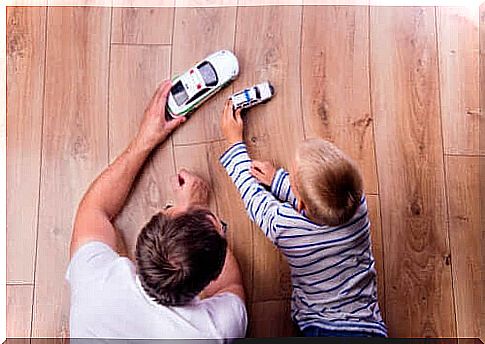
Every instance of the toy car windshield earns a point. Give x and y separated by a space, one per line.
208 73
179 93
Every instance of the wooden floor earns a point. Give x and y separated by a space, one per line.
396 88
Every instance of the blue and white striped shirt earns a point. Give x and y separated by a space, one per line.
332 268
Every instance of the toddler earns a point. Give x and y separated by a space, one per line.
317 216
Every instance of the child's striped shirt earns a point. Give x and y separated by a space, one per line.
332 268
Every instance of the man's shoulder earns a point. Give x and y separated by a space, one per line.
228 313
96 262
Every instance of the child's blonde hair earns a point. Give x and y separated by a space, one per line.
329 182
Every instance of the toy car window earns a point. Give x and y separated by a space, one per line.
258 95
198 95
208 73
179 93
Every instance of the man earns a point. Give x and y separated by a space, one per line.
181 254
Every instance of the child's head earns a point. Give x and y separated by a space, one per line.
327 182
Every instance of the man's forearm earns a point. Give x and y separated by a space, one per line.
110 190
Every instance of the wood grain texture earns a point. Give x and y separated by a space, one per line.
271 273
205 3
482 96
459 78
337 2
268 50
19 310
404 75
25 86
74 147
335 82
143 3
67 3
374 208
482 161
135 74
268 2
482 248
215 28
271 319
142 25
462 175
226 202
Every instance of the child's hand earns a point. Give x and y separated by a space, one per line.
263 171
232 124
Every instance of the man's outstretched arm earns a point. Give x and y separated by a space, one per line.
107 194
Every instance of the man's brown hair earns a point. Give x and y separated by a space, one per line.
328 181
178 257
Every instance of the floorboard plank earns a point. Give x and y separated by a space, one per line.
271 319
404 75
203 159
142 25
135 74
268 49
215 28
335 82
19 310
205 3
482 160
459 85
481 89
74 147
482 226
377 248
462 175
25 87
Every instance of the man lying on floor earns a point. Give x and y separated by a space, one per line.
181 254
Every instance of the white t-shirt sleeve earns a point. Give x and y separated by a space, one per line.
228 312
90 262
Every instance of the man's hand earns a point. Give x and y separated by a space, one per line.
154 127
190 189
263 171
232 124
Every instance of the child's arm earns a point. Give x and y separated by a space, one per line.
277 180
260 204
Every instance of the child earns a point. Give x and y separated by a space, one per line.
317 216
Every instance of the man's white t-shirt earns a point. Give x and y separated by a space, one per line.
108 301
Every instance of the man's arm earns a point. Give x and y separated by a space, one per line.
229 280
107 194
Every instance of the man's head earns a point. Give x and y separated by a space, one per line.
327 182
178 256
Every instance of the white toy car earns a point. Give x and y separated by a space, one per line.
196 85
251 96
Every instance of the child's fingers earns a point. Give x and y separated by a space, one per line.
258 164
238 116
256 173
226 112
